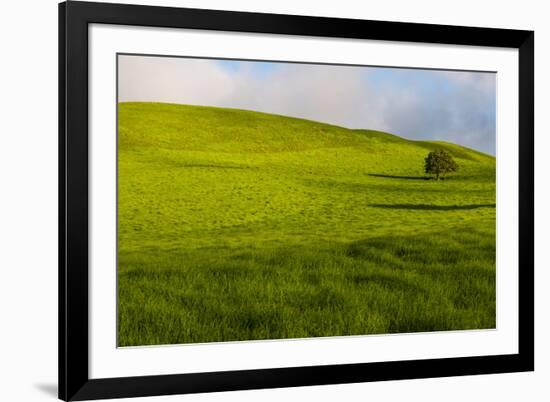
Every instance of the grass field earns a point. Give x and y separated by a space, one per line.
238 225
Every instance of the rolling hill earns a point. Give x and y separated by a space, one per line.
239 225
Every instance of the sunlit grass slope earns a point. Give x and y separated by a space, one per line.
238 225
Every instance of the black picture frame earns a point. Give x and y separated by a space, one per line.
74 381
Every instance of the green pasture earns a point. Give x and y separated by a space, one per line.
238 225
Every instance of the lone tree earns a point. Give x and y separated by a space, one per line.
439 163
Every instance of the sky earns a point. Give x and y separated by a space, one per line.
454 106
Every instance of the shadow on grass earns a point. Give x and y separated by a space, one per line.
212 166
386 281
389 176
430 207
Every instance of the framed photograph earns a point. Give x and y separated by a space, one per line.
259 201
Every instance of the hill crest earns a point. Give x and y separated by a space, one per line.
192 127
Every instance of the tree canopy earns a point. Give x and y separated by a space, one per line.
439 163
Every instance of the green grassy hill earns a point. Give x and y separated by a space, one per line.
237 225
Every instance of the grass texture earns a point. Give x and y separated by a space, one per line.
237 225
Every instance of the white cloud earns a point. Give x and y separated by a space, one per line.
480 82
163 79
329 94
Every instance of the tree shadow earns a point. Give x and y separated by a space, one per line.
388 176
431 207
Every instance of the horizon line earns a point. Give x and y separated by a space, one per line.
313 121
